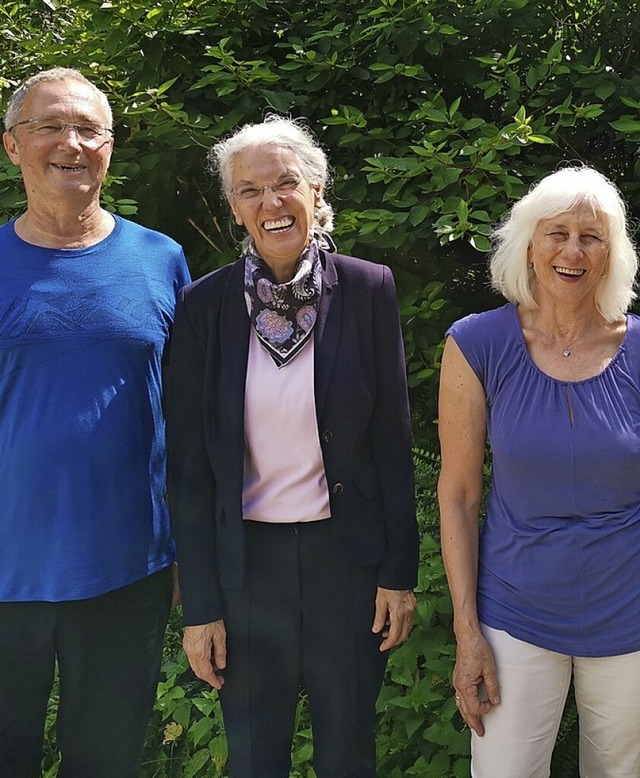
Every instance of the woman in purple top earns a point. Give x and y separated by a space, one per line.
548 589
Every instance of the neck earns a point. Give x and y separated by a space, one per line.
64 228
564 322
282 271
560 332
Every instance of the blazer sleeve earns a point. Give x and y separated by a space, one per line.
191 479
390 430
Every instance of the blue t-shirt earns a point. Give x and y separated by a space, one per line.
560 547
82 469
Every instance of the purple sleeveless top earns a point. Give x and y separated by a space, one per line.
560 546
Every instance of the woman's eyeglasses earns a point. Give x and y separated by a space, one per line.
282 188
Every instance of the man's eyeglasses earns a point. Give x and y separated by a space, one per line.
282 188
86 132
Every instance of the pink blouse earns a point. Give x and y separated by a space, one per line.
284 478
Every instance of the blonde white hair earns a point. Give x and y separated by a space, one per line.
555 194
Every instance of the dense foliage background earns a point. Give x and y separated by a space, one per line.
436 115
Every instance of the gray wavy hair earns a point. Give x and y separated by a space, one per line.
289 134
555 194
16 101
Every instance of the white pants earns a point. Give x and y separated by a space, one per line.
520 733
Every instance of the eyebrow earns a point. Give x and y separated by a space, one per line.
245 181
563 226
78 120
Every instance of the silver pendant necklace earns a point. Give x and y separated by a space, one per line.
566 348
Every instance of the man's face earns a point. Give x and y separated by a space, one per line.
63 166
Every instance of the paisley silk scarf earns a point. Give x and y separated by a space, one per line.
283 315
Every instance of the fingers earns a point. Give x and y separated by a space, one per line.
475 680
204 671
394 616
220 650
380 618
206 649
475 700
471 709
491 685
398 631
391 637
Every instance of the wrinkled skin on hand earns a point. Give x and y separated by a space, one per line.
206 649
394 616
475 681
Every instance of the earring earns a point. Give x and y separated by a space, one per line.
530 265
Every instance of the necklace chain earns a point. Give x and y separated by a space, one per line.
566 348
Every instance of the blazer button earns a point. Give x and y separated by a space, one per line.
337 488
327 435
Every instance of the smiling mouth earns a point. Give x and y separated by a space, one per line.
570 271
278 225
72 168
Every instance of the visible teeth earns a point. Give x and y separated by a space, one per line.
69 167
278 224
570 271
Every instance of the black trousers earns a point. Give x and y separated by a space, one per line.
108 651
304 616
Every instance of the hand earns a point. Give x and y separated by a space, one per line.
175 594
206 649
394 615
475 681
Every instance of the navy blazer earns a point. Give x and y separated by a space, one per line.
363 422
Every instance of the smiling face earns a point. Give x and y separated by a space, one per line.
570 255
274 203
60 168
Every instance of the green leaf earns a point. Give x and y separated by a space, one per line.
462 211
196 763
589 111
418 214
154 13
626 125
534 138
435 115
280 100
483 192
200 730
605 89
480 243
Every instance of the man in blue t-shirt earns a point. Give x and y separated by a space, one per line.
86 555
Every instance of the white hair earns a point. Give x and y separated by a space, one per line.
285 133
555 194
16 101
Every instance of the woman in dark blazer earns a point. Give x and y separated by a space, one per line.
291 468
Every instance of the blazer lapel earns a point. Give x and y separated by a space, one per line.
327 330
234 353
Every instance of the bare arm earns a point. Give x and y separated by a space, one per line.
462 430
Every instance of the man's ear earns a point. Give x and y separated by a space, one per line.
11 147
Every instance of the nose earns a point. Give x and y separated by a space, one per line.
270 197
574 246
69 137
